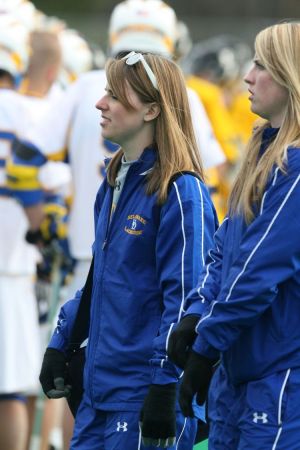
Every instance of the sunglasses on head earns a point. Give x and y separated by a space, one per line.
133 58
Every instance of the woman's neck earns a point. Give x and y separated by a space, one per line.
133 148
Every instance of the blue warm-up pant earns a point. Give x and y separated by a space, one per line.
109 430
259 415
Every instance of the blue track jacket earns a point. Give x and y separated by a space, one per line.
146 260
249 293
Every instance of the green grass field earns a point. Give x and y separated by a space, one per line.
202 445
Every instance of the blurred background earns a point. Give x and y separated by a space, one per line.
205 18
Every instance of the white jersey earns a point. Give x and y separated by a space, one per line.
36 108
19 334
52 175
17 257
73 125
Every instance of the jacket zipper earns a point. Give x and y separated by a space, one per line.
104 245
110 221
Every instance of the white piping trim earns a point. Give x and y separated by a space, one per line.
140 437
146 172
255 248
208 266
167 343
262 203
181 433
225 220
202 222
169 333
264 196
279 418
277 438
84 343
281 395
183 252
205 278
181 309
275 176
208 315
263 237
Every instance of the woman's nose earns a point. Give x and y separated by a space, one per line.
248 78
101 104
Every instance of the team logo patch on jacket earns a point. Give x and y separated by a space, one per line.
135 224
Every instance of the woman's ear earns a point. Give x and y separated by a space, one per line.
152 111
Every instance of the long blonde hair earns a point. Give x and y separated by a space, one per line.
174 138
278 49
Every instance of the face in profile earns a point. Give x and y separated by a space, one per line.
119 123
268 98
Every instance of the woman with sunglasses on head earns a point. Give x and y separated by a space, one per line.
154 222
247 307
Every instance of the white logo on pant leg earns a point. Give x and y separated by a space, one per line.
122 426
263 417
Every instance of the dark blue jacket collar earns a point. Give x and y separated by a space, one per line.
268 135
145 161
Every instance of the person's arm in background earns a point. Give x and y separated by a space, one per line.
37 162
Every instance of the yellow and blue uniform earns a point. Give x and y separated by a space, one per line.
18 259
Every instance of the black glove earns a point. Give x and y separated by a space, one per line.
54 224
158 416
196 378
75 378
181 339
53 374
34 237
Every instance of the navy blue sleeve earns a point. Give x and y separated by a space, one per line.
66 318
185 234
209 283
269 255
